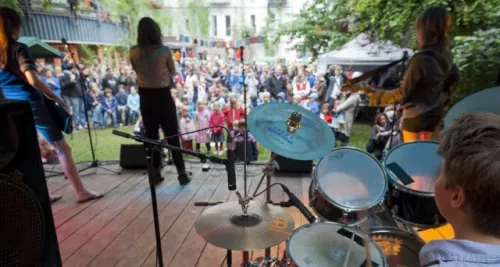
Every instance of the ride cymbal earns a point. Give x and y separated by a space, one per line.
226 227
291 131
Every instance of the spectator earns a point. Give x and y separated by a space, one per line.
72 94
350 105
334 79
202 117
313 104
301 88
133 105
121 100
380 135
276 83
52 82
233 111
110 108
109 81
94 102
217 122
239 144
186 127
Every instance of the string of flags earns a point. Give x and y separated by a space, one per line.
221 44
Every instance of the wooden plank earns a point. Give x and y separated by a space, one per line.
146 242
73 246
135 228
178 232
106 203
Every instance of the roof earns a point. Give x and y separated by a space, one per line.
38 48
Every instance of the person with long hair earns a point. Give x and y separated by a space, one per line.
154 65
427 84
19 80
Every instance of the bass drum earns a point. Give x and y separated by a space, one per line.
400 244
327 244
413 169
347 183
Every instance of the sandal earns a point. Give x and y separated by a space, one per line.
92 197
54 198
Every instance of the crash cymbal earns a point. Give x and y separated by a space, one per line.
482 101
9 140
226 227
291 131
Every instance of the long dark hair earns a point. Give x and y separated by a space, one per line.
149 33
10 21
433 25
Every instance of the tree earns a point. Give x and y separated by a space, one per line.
474 42
200 15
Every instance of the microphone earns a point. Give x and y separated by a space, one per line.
298 204
231 173
122 134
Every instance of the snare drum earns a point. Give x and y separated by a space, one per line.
347 183
411 185
327 244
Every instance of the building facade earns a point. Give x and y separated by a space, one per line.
235 19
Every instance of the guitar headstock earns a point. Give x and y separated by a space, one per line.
353 88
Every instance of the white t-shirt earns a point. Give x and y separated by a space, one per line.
336 87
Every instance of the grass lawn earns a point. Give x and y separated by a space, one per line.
107 145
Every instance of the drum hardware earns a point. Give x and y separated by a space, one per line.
395 192
294 122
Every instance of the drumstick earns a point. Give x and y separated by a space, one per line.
348 255
368 255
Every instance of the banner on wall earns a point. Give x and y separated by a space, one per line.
221 44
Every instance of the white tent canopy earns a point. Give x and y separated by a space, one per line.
361 54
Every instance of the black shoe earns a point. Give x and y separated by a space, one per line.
184 179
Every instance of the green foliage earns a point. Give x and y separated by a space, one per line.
474 33
86 53
14 4
200 16
242 31
269 41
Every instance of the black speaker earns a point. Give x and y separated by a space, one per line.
27 231
132 156
293 165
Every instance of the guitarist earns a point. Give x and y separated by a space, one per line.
427 84
19 80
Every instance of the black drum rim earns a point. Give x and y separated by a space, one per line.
379 200
353 229
395 183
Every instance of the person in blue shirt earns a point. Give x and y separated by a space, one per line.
313 104
109 107
52 82
121 99
19 81
133 105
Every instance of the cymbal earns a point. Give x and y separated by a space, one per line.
482 101
291 131
226 227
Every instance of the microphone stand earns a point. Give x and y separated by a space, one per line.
155 145
94 163
403 70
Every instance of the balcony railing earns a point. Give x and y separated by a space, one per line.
276 3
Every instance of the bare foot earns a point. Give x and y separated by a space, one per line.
88 196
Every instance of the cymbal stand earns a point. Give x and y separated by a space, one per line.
267 173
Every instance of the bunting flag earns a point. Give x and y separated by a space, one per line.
222 44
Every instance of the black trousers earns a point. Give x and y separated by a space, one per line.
158 110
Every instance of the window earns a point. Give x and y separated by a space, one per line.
214 25
252 23
228 25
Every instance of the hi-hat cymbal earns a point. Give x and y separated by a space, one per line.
291 131
226 227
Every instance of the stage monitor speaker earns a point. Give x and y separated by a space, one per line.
27 232
292 165
133 156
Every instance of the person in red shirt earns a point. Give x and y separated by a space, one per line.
233 112
216 121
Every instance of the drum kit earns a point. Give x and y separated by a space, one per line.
368 212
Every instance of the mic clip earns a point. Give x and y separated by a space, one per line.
244 202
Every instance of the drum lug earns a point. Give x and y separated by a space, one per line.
395 192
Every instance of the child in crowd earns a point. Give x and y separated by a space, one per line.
202 121
313 104
133 105
266 98
467 194
49 155
239 144
233 111
253 101
121 100
109 107
186 125
281 97
326 115
94 101
339 116
216 122
380 135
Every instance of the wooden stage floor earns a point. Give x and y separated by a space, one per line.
117 230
